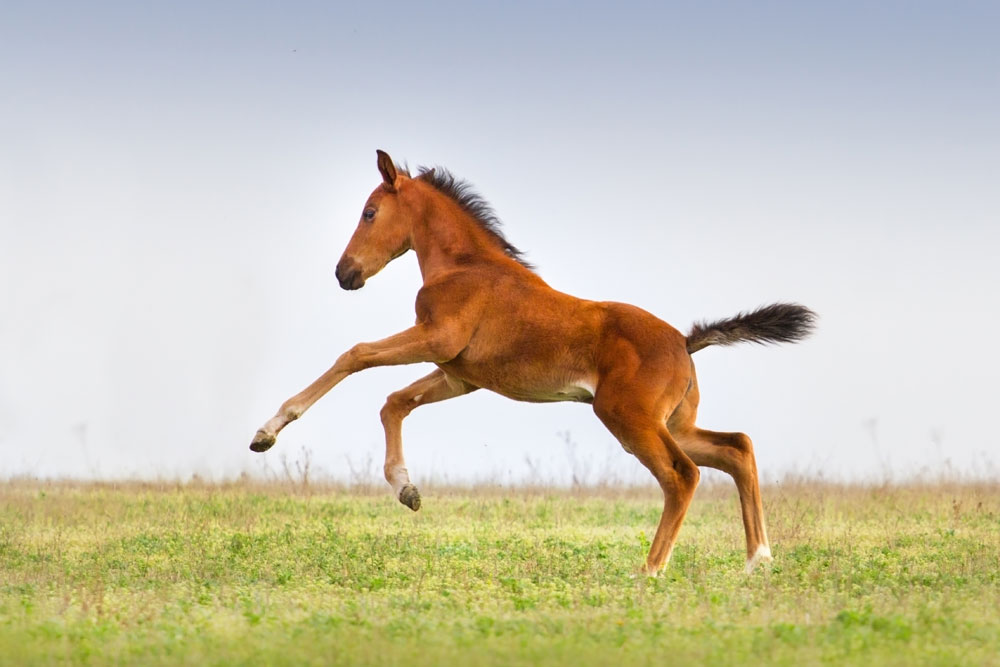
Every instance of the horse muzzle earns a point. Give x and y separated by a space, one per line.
349 274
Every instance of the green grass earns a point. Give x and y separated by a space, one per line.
259 574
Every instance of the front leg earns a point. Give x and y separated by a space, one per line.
438 386
417 344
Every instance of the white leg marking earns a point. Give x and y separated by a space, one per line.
656 573
398 478
763 554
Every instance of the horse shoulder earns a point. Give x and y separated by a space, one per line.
450 309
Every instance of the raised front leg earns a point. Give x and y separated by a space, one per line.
438 386
417 344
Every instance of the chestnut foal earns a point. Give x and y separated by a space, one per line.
488 321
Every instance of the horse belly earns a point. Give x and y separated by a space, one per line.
579 392
528 373
524 388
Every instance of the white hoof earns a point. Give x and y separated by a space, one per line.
762 555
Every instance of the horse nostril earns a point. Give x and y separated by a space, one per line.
349 274
352 280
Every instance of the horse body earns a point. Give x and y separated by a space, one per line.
553 352
487 321
533 343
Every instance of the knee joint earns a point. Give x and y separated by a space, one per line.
355 359
396 407
741 442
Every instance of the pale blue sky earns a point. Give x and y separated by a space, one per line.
177 182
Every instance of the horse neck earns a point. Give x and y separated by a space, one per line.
445 236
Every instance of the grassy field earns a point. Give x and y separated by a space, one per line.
282 574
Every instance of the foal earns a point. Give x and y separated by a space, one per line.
488 321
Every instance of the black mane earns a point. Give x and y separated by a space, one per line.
472 202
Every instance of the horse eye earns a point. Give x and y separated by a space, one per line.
369 214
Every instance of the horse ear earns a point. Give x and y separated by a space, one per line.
387 169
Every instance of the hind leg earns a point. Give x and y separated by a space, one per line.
643 434
732 453
438 386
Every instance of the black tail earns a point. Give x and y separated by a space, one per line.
777 323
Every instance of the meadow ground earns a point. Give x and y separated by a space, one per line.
252 573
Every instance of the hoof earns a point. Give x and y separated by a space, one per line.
647 572
641 573
410 497
262 442
762 555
